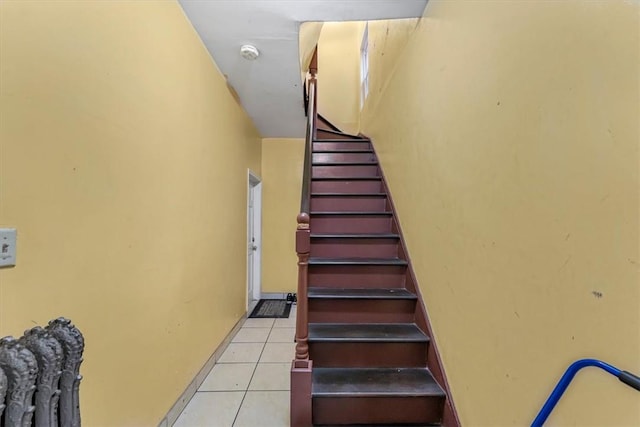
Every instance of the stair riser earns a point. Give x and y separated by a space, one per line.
354 248
321 146
368 354
344 171
345 276
350 224
321 134
322 125
360 311
343 157
377 410
348 204
346 186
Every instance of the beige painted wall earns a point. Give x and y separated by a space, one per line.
339 63
307 41
282 165
387 41
339 73
508 132
124 167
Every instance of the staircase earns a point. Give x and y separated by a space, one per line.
368 337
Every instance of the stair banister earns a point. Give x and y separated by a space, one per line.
303 232
302 365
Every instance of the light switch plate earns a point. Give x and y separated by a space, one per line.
8 241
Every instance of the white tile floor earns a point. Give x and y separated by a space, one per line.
249 386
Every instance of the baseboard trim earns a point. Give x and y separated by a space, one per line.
273 295
195 384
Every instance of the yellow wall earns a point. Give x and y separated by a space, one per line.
339 74
282 165
387 41
339 59
508 132
124 167
307 42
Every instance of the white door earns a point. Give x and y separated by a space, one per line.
253 240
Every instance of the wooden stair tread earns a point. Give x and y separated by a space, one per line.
341 140
343 150
366 332
355 236
348 163
379 425
347 178
374 382
360 293
383 213
338 132
361 194
356 261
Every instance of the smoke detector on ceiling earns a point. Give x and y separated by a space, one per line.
249 52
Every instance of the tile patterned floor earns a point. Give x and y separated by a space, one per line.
249 386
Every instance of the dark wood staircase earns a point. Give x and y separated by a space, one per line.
364 353
368 336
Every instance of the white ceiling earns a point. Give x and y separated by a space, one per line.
270 88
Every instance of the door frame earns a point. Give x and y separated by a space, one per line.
254 185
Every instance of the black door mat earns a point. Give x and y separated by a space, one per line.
271 308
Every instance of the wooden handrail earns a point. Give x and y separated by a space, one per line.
313 69
303 231
306 174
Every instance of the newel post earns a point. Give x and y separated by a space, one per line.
300 409
303 248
